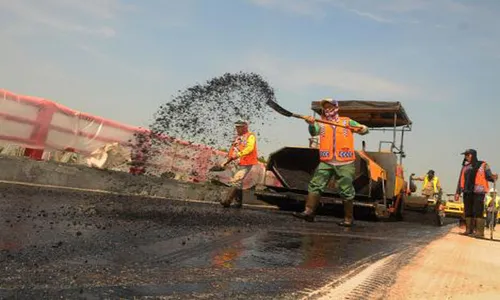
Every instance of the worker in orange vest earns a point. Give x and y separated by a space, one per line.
473 183
243 148
337 156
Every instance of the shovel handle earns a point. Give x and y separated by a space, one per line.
327 122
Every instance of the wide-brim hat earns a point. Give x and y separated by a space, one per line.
330 101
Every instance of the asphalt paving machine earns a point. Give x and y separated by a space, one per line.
379 181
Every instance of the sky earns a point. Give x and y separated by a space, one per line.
122 59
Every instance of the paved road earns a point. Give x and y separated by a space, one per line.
78 245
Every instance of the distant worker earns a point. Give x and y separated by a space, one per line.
473 183
431 187
243 148
492 201
336 151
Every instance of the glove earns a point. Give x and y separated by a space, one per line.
362 129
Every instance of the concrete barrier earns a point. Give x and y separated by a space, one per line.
25 170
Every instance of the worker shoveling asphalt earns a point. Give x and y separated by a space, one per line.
337 156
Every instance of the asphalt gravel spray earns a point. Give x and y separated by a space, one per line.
205 113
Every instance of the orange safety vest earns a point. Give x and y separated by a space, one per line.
481 185
240 144
336 142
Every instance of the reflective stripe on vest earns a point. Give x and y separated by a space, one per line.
481 185
336 142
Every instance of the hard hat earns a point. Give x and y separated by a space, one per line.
492 190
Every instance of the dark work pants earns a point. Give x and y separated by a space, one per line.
491 218
474 205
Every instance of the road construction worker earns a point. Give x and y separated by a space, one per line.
244 149
492 201
431 188
473 183
337 155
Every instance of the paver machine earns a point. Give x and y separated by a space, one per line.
379 181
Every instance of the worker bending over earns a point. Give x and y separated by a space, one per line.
243 148
337 156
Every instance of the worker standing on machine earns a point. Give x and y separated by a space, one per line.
337 156
431 188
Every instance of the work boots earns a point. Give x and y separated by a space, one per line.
311 205
480 222
238 200
348 214
232 194
468 227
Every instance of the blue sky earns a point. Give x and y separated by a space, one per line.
121 59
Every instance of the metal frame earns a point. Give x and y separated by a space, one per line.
395 149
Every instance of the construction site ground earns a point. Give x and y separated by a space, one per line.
80 245
452 267
62 236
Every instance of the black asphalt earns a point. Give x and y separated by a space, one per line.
76 245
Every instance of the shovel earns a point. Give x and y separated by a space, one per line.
493 215
216 169
287 113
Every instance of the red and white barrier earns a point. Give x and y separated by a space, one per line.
39 124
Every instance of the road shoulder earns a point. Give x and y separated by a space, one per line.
452 267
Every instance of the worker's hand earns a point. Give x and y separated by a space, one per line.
309 120
226 162
457 197
362 129
495 176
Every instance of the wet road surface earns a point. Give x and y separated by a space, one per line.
76 245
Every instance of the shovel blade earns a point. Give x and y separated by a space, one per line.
278 108
217 169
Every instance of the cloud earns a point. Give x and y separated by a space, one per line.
90 18
393 11
311 8
302 75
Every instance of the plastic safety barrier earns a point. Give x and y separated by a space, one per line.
41 125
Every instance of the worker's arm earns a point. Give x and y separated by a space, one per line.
489 175
231 155
419 178
249 147
363 129
459 189
314 129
